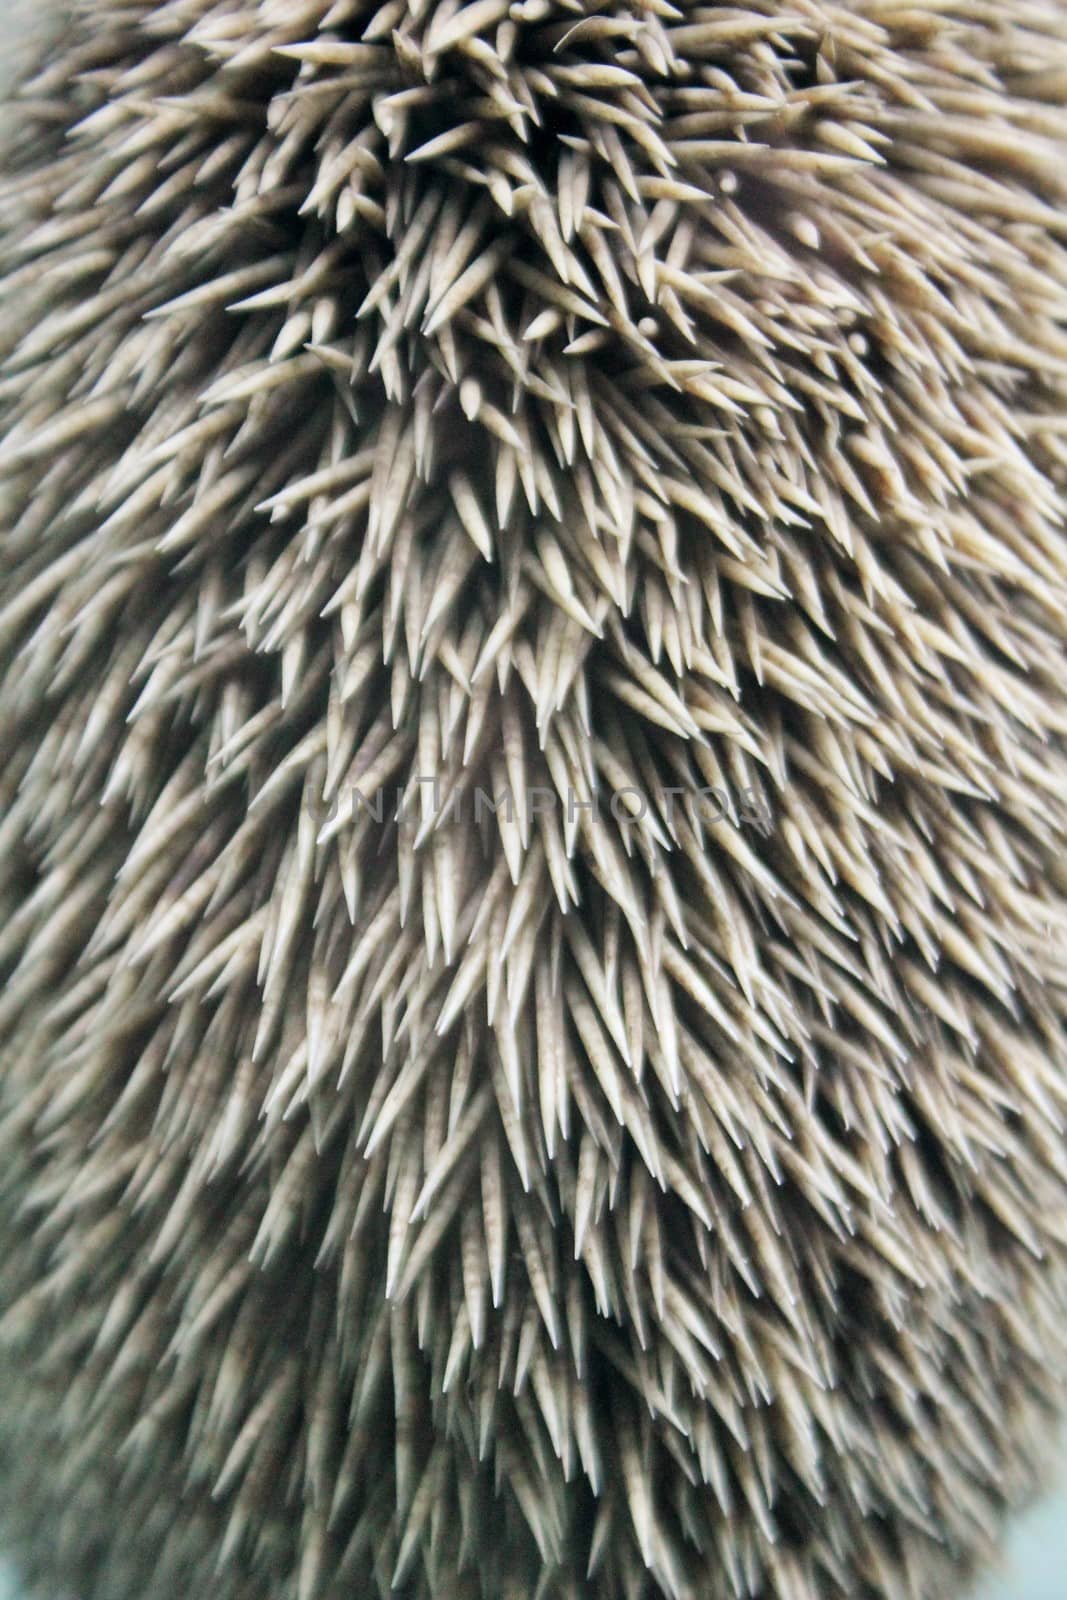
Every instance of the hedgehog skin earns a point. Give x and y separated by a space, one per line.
565 1205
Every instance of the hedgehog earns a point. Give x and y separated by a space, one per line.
533 632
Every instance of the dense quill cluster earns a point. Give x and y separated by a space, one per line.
641 397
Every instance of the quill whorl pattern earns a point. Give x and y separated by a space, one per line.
532 398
